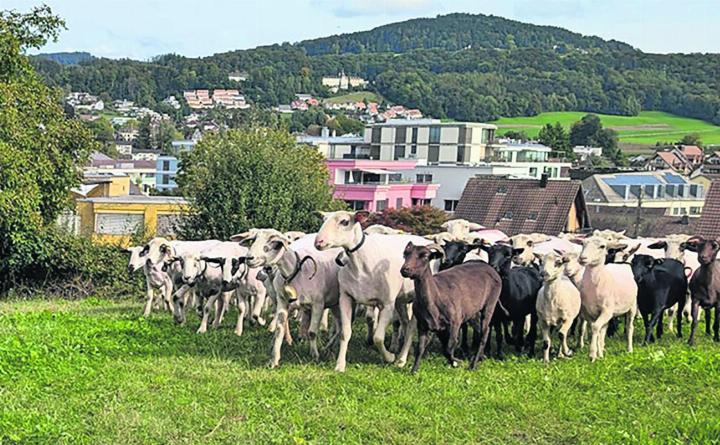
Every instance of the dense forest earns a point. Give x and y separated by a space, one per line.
438 65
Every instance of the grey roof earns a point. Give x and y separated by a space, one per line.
138 199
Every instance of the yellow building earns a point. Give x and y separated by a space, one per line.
108 212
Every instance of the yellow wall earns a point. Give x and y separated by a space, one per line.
150 211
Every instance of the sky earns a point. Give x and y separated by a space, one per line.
141 29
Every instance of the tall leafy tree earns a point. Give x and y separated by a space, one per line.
144 140
555 137
41 150
255 177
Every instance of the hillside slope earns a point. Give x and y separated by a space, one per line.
458 31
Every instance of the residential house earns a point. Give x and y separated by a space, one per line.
108 211
682 159
140 172
166 169
584 153
171 101
711 164
229 99
709 224
663 189
124 147
524 205
343 82
238 76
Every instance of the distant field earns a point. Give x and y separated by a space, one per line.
647 128
356 96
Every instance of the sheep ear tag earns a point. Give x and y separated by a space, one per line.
290 292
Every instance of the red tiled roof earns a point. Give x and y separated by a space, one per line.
521 205
692 150
709 225
670 158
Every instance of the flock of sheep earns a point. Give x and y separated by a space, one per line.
466 277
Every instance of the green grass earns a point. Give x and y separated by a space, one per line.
95 372
648 127
357 96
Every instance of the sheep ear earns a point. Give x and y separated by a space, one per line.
409 246
538 256
322 214
633 250
617 246
518 251
445 225
436 251
658 245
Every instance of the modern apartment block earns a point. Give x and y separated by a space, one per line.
429 141
166 169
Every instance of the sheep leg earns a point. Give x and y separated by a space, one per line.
407 342
678 322
335 331
258 305
384 319
179 303
646 324
499 340
517 334
345 303
671 311
223 303
716 325
708 320
371 321
659 328
532 334
324 325
597 329
209 304
580 332
630 326
651 325
545 330
242 309
694 311
481 334
316 314
167 290
563 332
423 339
149 295
281 317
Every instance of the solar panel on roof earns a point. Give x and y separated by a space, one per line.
672 178
632 180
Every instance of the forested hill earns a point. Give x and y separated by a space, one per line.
66 58
474 84
458 31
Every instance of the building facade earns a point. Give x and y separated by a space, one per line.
166 168
662 189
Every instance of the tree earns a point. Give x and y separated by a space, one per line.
691 139
516 135
144 140
255 177
418 219
555 137
584 131
41 150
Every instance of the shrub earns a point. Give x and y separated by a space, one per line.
420 220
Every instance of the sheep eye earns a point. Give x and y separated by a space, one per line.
266 248
345 222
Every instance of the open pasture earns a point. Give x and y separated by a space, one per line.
96 371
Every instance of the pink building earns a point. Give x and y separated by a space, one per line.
375 185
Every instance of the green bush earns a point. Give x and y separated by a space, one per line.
71 266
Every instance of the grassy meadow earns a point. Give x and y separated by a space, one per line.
647 128
96 372
355 96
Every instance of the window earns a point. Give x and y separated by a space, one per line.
507 215
400 134
375 152
434 135
433 153
381 205
460 154
423 177
451 205
376 132
398 203
413 150
414 135
117 223
352 176
399 152
166 179
166 165
464 135
502 189
356 205
532 216
420 202
695 210
533 172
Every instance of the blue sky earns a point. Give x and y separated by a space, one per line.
141 29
